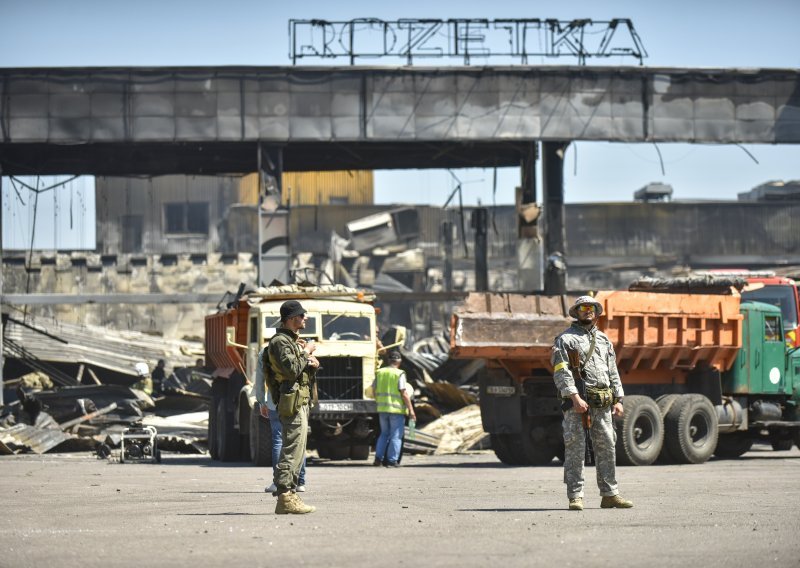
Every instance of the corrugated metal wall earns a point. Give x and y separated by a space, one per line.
354 187
683 229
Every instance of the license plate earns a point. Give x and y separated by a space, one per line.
498 390
335 406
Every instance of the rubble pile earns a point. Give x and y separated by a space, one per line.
446 399
83 392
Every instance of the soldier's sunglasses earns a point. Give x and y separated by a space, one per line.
585 308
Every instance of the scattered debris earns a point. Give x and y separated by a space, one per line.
453 433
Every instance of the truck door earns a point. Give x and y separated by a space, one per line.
773 355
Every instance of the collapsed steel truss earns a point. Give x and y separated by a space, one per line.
412 38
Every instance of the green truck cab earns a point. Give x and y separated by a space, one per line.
762 387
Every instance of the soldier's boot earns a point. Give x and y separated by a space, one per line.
290 504
615 502
576 504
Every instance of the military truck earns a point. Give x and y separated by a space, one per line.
704 373
342 322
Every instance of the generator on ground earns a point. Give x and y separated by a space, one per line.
139 444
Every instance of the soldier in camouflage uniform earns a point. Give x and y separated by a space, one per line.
602 383
293 364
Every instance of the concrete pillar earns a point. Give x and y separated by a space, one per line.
555 278
480 222
447 239
274 254
529 246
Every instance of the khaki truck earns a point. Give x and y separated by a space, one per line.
704 373
342 322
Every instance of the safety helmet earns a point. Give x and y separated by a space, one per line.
142 369
598 307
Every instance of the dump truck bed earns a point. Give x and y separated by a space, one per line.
657 336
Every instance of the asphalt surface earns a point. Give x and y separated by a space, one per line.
460 510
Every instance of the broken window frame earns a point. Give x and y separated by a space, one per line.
186 218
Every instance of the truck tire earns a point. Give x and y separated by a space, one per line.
733 445
640 434
539 439
260 440
508 448
691 429
227 436
780 442
359 452
333 451
665 403
212 430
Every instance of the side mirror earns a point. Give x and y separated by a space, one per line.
230 338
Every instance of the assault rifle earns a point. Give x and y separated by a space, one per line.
586 417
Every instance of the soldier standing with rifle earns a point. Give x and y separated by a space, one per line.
290 368
587 379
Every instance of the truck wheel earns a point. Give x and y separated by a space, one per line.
359 452
539 441
640 432
260 440
780 442
508 448
212 429
665 403
733 445
333 451
227 436
691 429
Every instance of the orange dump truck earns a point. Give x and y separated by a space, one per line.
692 387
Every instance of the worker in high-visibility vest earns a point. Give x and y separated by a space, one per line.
393 404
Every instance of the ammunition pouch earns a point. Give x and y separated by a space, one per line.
290 400
599 397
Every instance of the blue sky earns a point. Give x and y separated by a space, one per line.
679 33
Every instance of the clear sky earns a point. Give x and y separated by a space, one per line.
678 33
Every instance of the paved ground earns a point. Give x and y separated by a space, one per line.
465 510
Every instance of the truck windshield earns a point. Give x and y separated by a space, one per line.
345 328
780 296
271 321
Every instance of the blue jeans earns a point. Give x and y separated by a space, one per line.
277 444
389 442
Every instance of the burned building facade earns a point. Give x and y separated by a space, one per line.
182 236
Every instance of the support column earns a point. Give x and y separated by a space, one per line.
274 254
447 239
529 245
555 239
480 222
